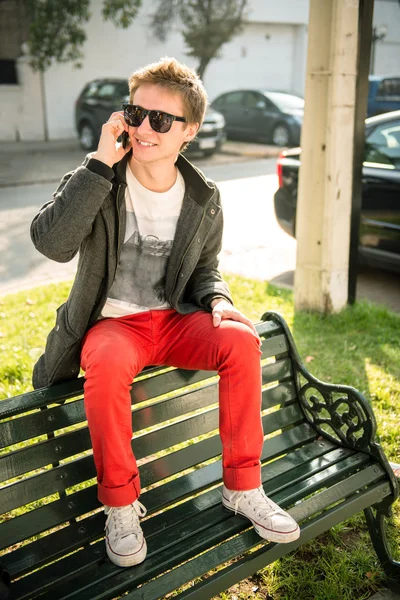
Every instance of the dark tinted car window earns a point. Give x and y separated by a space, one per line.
220 101
107 90
234 98
255 100
382 146
122 89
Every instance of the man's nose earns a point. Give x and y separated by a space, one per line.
145 127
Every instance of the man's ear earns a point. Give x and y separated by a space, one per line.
191 131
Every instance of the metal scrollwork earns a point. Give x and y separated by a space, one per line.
339 415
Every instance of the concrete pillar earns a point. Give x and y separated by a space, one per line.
31 123
325 184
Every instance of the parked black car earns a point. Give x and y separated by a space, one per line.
101 97
380 214
258 115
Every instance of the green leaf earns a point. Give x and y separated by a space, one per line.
121 12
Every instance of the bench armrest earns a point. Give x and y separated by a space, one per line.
339 413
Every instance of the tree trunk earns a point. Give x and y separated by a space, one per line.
204 61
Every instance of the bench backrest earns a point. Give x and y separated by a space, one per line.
46 464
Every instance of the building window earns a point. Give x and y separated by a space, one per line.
13 32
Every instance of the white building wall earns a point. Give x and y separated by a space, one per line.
387 52
10 101
260 57
294 12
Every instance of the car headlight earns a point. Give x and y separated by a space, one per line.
219 120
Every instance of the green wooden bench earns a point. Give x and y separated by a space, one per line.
319 458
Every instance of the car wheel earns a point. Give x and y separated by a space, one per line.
281 135
87 136
209 152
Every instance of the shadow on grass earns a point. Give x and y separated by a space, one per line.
358 346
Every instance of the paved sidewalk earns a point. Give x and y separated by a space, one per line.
24 163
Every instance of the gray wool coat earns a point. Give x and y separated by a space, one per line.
87 215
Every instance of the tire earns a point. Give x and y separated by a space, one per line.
209 152
281 135
87 136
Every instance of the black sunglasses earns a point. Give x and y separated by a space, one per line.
160 121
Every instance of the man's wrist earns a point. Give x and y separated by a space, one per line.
216 301
99 167
103 159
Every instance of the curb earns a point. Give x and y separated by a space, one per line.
250 150
7 184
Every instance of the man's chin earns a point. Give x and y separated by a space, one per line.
154 157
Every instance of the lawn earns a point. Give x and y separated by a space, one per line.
358 347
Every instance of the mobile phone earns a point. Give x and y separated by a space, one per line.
125 139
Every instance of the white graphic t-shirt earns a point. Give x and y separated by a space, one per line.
151 218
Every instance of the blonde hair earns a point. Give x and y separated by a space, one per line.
178 78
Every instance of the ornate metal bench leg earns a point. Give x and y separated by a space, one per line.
376 526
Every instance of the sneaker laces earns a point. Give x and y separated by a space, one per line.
124 520
257 499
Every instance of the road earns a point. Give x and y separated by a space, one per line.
253 244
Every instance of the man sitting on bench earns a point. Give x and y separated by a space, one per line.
148 228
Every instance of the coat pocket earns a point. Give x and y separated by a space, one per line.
61 360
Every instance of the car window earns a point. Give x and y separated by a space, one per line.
107 90
91 90
389 89
220 102
234 98
382 146
255 100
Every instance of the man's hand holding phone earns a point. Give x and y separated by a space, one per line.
108 150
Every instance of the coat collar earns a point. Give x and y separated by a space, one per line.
197 186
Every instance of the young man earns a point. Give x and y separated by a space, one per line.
148 228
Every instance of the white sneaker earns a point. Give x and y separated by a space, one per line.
125 543
270 521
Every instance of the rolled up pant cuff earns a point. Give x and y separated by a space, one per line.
119 496
243 479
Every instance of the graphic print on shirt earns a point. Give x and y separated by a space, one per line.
141 270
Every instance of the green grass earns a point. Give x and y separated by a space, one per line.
358 347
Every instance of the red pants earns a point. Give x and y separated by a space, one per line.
115 350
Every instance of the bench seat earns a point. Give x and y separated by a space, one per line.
320 460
